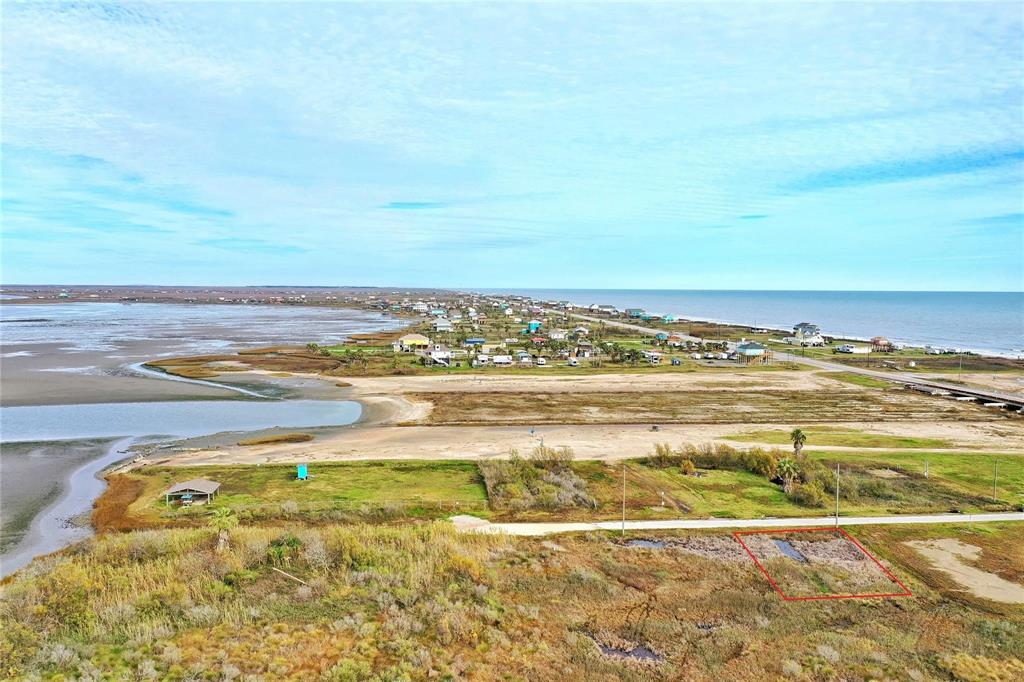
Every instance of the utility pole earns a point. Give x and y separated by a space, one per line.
995 472
837 494
623 499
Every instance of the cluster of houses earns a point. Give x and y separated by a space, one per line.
571 346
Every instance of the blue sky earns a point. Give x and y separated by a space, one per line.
725 145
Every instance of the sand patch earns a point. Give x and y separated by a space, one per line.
949 556
886 473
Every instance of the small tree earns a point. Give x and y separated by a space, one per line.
788 470
552 459
312 347
663 456
222 521
688 467
799 438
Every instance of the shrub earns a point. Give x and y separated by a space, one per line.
664 456
552 459
761 462
517 484
688 467
807 494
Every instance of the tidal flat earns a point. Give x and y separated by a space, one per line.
33 475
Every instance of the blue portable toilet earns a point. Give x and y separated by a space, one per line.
303 472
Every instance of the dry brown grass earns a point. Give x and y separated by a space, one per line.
278 438
110 512
278 359
421 602
694 407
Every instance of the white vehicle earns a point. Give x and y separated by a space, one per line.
722 356
573 362
542 362
695 356
709 356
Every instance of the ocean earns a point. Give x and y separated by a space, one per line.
984 322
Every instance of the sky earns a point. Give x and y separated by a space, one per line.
874 146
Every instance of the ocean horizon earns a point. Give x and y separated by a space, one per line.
981 322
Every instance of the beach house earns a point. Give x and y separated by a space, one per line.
437 354
805 334
196 491
754 353
410 343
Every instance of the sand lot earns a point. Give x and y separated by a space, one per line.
954 558
588 441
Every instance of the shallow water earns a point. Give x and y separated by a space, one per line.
648 544
181 329
790 551
55 527
172 418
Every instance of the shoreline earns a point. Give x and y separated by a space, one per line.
771 327
63 522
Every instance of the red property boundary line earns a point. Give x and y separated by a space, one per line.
904 593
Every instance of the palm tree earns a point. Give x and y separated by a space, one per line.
788 470
222 521
799 438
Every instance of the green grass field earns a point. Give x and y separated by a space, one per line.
440 488
971 472
844 437
343 485
857 379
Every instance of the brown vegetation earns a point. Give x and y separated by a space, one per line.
278 438
544 481
694 407
111 509
275 359
420 602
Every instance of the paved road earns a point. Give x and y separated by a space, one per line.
472 524
902 377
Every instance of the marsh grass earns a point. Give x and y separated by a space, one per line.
278 438
421 602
